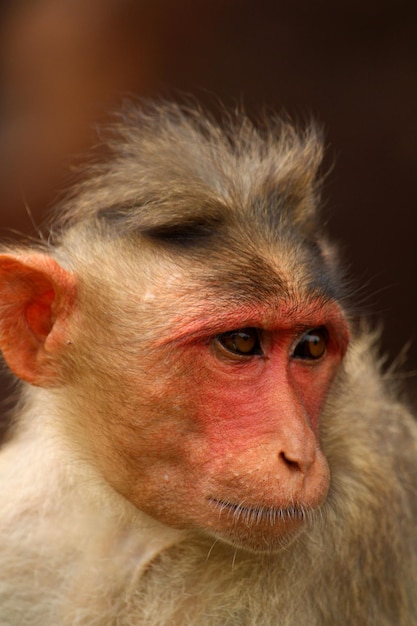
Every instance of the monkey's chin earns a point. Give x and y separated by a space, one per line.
257 529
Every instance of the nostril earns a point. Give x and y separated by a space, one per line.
291 464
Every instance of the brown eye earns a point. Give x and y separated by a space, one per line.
313 345
243 342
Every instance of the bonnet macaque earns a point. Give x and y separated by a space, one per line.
202 436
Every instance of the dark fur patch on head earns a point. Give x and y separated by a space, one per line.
189 233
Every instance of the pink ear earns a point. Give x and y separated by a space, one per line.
37 296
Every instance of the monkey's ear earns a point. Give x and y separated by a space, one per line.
36 298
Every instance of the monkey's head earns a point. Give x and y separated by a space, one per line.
188 324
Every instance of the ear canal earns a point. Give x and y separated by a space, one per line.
36 298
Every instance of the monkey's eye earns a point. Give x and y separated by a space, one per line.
313 345
240 343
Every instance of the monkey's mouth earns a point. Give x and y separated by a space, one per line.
259 514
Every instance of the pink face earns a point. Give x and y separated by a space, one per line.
226 438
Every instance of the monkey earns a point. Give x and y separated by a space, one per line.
204 432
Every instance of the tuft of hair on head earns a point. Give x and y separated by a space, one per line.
178 175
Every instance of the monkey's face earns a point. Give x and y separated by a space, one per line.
201 407
217 430
202 410
197 334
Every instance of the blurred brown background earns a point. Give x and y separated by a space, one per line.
64 64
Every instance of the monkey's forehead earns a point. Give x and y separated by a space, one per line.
290 272
227 263
230 262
